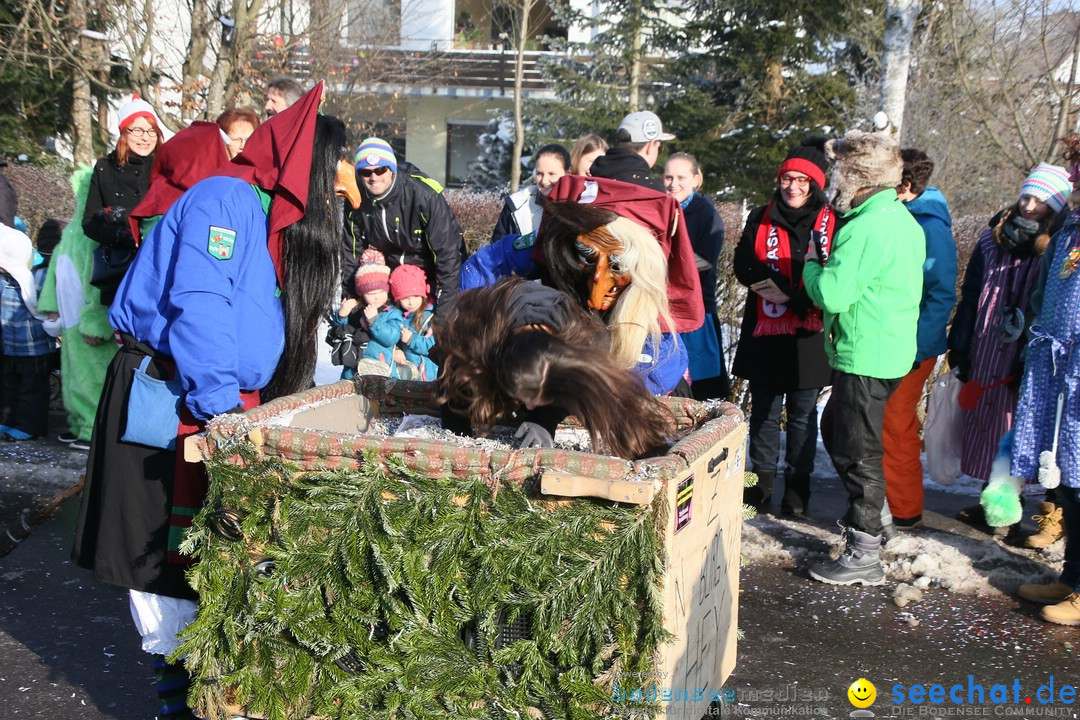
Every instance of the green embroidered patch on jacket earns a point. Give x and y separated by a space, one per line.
221 242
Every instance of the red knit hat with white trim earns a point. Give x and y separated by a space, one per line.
408 281
373 273
134 108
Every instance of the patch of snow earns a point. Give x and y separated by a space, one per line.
925 559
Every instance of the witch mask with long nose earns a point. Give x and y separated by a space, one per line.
599 257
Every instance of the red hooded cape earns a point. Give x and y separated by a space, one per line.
191 155
662 215
277 158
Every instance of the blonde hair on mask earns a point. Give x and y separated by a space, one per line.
637 313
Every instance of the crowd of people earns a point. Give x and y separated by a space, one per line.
196 272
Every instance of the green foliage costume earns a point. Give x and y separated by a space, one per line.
83 364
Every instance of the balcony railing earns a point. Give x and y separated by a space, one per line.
487 70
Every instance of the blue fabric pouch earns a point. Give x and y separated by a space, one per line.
153 410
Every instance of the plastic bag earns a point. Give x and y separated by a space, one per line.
943 433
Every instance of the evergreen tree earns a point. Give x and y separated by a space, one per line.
35 85
597 83
491 169
739 83
769 73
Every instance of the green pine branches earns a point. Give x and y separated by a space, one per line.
381 593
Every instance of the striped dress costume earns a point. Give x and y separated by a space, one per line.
995 354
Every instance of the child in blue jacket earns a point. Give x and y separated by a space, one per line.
27 347
406 327
350 328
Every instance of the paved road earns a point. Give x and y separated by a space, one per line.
69 651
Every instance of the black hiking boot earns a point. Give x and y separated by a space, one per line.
858 564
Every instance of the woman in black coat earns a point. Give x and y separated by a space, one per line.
781 349
119 183
708 371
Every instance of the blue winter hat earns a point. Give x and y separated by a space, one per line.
375 152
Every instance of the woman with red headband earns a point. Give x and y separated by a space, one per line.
781 349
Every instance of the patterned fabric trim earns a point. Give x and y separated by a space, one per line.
316 450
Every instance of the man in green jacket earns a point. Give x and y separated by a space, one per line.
869 287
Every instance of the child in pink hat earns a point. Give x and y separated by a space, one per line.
350 332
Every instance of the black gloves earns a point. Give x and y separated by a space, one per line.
1018 232
114 215
960 361
117 217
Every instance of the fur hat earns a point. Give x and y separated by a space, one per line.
134 108
1049 184
408 281
373 273
862 160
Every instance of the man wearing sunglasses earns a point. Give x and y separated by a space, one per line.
404 219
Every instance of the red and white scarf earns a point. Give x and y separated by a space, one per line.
772 247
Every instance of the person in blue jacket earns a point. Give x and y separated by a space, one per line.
900 430
222 300
623 282
708 368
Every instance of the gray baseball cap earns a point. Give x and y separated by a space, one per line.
644 126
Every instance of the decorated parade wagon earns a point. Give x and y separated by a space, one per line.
345 571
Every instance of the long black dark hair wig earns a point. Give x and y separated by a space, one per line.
312 255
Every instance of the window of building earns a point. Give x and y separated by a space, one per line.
462 148
373 22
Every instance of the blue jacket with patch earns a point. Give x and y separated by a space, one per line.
931 211
509 255
203 290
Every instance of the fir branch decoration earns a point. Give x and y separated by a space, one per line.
382 593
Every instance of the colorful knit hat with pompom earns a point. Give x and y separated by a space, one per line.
373 273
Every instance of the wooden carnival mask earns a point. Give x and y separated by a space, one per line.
599 253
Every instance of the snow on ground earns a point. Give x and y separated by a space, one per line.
920 559
923 558
974 563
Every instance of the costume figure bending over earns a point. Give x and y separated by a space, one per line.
617 268
518 352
